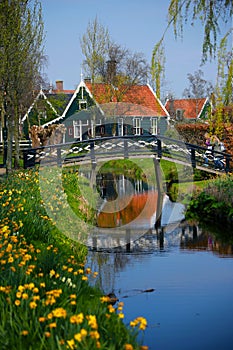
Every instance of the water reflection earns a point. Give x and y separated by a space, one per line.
110 262
180 263
189 290
127 209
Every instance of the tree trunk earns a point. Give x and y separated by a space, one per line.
16 138
9 145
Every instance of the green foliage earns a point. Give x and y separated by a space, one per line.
123 167
21 58
157 66
22 205
214 202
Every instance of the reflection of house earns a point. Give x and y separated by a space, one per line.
191 108
101 110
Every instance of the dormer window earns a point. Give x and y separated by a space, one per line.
82 104
179 114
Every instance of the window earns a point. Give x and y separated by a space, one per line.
70 131
179 114
120 127
137 126
82 104
76 129
154 126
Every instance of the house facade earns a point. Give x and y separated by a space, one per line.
189 109
97 110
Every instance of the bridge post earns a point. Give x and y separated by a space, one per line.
160 238
29 158
93 164
159 143
59 162
128 240
126 153
227 163
193 158
160 192
92 151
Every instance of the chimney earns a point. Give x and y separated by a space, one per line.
111 70
59 85
87 80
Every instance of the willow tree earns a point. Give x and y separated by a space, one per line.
21 58
224 84
222 100
211 13
157 67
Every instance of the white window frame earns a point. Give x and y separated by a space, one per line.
77 124
137 126
82 104
120 127
154 126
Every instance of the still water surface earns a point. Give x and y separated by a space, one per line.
179 278
191 306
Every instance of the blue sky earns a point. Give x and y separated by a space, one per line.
133 24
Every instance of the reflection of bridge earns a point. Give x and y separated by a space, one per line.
128 146
135 241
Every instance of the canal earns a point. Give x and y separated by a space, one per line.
178 276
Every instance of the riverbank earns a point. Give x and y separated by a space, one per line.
213 203
46 301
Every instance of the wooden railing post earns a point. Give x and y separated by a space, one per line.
126 152
159 152
159 185
29 158
92 151
59 162
93 165
227 163
193 158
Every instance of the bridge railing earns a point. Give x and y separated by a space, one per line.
122 147
104 147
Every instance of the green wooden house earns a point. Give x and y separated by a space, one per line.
97 110
188 109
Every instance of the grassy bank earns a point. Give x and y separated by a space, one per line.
46 301
213 202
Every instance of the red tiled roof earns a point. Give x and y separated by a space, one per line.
133 96
191 106
127 109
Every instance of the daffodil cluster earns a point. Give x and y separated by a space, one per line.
46 301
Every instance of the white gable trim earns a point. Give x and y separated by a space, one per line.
41 93
160 103
202 108
81 85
